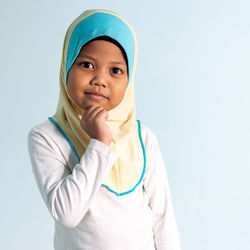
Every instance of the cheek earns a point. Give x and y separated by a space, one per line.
73 87
123 92
70 80
120 92
70 87
74 81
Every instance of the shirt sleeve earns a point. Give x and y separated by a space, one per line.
156 186
68 193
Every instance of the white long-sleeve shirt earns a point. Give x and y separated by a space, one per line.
87 215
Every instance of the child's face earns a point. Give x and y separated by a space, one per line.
98 76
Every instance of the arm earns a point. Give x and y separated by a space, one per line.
68 194
156 186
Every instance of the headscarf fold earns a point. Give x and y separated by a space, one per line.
128 169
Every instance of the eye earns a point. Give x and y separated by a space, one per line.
116 71
87 65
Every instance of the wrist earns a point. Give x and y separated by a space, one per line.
105 141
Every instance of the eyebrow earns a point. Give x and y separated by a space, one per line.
92 58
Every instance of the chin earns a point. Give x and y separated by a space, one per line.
88 104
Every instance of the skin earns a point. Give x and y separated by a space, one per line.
97 81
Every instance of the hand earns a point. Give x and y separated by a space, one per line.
93 122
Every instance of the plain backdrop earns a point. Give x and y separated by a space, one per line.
192 90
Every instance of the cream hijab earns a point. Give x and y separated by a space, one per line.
128 170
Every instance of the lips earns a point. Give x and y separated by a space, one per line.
95 94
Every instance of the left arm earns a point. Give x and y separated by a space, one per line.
156 186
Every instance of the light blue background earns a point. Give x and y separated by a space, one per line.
192 90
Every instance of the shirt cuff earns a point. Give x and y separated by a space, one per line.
103 149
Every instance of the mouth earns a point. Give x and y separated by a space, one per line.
95 95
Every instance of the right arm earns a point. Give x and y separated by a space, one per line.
68 194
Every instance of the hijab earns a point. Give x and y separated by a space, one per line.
128 170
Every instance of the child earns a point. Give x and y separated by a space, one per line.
99 171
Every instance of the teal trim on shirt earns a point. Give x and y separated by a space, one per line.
143 149
144 166
66 137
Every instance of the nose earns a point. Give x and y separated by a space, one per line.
99 79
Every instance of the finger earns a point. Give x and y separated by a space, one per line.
101 114
94 112
89 110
